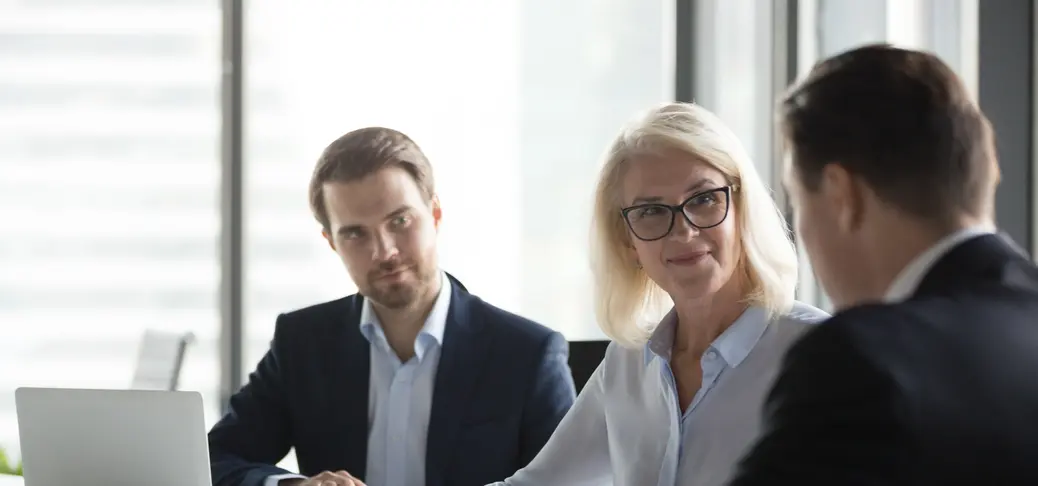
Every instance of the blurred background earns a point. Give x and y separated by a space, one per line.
155 154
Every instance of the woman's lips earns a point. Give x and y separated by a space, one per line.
688 259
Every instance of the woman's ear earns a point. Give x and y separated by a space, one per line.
634 255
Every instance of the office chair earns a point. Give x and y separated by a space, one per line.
160 359
584 358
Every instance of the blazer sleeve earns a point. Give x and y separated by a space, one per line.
832 416
255 432
577 454
551 396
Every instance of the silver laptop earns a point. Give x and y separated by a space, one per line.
112 437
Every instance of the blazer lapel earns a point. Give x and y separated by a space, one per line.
349 355
461 358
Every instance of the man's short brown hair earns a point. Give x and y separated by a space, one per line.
361 153
903 122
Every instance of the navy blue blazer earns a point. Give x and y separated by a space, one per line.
502 386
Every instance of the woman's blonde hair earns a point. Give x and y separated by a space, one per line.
628 304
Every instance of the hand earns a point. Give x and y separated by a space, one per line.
327 478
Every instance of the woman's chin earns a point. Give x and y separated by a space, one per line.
697 286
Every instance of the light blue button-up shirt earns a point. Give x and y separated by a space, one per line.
399 398
627 429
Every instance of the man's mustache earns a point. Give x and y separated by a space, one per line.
387 268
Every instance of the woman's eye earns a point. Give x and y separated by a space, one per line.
648 212
705 199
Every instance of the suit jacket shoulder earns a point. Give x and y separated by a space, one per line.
835 392
477 314
505 324
864 328
324 315
937 389
319 328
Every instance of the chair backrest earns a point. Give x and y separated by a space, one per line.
159 360
584 358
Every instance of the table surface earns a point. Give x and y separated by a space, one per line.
7 480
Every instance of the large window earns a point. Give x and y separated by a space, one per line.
737 74
109 131
514 102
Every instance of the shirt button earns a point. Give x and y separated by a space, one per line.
711 355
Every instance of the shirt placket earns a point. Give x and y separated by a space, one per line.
398 421
669 467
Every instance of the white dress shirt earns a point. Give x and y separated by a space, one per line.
399 398
908 280
626 427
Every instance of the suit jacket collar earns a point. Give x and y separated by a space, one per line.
350 358
461 358
907 281
463 354
988 259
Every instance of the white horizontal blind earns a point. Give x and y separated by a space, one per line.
109 172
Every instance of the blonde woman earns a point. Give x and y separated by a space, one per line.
682 221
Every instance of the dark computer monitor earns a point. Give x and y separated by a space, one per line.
584 357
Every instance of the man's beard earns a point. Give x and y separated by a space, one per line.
399 295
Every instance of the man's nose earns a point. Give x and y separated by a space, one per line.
385 248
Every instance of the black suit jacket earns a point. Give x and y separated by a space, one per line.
939 390
501 388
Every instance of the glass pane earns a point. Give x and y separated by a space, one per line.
109 132
845 24
734 73
513 101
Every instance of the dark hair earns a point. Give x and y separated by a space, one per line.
903 122
363 152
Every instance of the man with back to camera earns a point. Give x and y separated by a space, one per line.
925 375
411 381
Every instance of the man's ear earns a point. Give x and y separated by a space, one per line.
844 194
328 237
437 211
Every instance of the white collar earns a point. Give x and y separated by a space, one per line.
435 323
908 280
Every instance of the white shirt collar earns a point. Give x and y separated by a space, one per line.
435 323
908 280
734 344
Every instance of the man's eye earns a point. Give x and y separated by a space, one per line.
401 220
351 234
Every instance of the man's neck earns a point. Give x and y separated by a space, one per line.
905 242
401 326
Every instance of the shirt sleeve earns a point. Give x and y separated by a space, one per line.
277 478
577 454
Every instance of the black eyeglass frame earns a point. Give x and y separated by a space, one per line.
680 208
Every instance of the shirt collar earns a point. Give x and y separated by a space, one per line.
432 330
906 282
734 344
